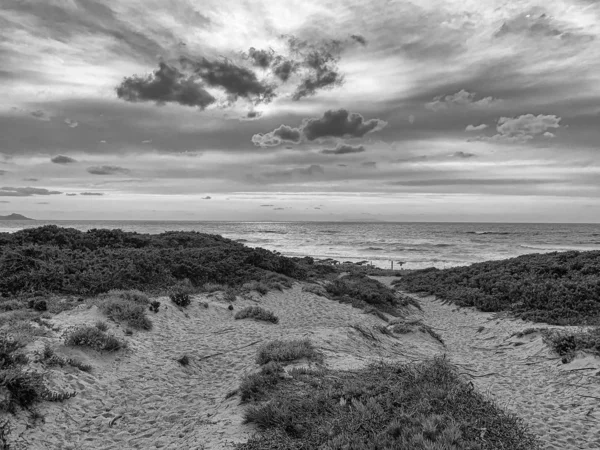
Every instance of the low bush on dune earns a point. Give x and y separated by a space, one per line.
92 337
385 406
20 387
567 343
254 386
127 311
258 313
287 351
258 286
360 291
557 288
52 259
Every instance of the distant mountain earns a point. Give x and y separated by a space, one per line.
15 217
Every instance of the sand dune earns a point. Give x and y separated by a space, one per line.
142 398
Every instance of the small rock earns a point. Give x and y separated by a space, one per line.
230 307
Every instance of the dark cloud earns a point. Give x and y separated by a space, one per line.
107 170
343 149
166 85
336 124
284 68
25 192
464 155
4 201
265 206
358 38
340 123
208 197
369 164
237 81
71 195
261 58
42 203
3 172
61 159
252 115
278 209
40 115
313 170
474 182
90 194
31 179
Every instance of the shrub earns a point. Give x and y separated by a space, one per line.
132 295
384 406
180 298
567 343
128 311
258 313
11 305
40 305
86 336
360 290
154 306
229 295
101 325
557 288
286 351
184 360
52 359
213 287
258 286
254 386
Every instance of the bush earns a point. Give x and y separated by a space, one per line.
101 325
385 406
258 286
258 313
92 337
567 343
360 290
180 298
121 310
184 360
256 385
557 288
52 359
154 306
286 351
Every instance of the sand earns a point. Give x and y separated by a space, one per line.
142 398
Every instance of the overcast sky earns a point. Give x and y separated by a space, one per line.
431 110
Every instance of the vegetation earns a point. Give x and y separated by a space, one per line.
256 385
557 288
567 343
360 291
123 306
287 351
50 358
92 337
258 313
21 388
52 259
419 406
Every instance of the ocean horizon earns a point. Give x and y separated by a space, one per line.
416 245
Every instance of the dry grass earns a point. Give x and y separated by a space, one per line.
287 351
92 337
257 313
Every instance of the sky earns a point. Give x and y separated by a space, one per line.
262 110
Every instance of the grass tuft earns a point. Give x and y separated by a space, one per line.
125 310
287 351
257 313
92 337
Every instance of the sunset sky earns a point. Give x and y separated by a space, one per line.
431 110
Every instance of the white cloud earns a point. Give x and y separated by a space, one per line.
483 126
462 98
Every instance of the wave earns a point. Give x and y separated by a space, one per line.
372 249
273 232
490 232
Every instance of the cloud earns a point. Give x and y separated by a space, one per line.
369 164
279 135
42 203
266 206
537 24
31 179
25 192
3 172
358 38
481 127
463 155
525 127
261 58
340 123
71 195
61 159
166 85
342 149
549 135
237 81
40 115
71 123
462 98
91 193
411 119
107 170
208 197
310 171
334 123
252 115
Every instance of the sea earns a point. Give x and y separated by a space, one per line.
406 245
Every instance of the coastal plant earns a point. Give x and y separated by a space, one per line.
566 343
180 293
287 351
230 295
92 337
128 311
258 286
257 313
50 358
421 406
254 386
184 360
154 305
559 288
361 291
101 325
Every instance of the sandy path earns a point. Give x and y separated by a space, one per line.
143 398
560 402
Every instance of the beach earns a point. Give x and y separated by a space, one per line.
147 395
